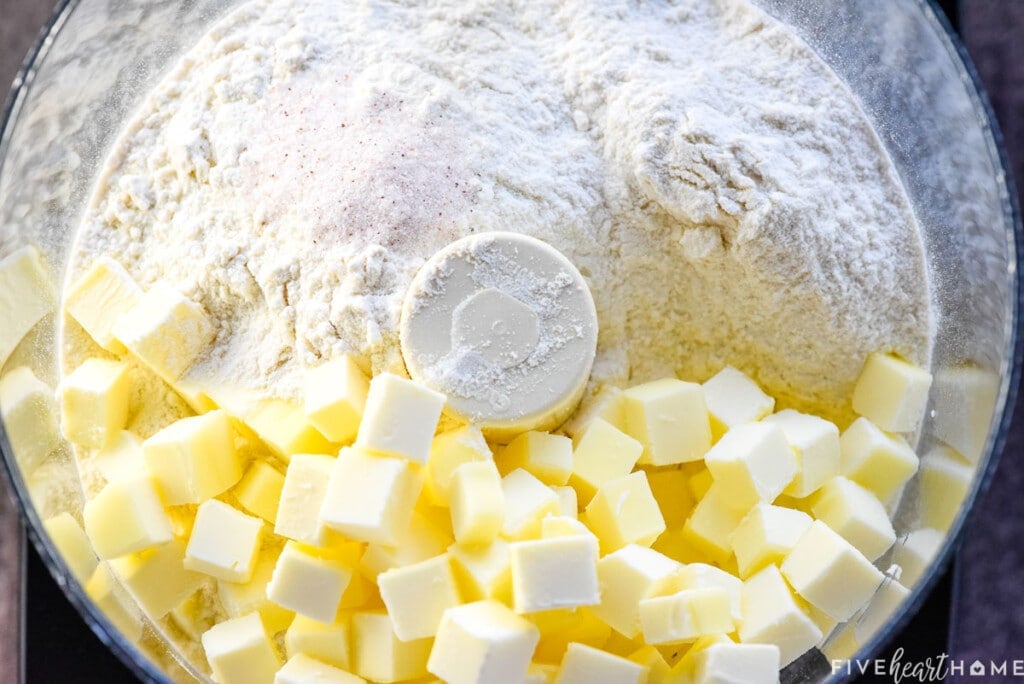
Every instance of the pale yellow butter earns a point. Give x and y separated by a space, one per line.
301 669
112 600
483 572
94 402
773 615
482 643
308 582
685 615
944 481
734 399
400 418
29 414
546 456
448 451
552 573
669 418
73 544
25 297
624 511
602 453
240 598
417 595
378 655
335 398
751 463
704 576
326 641
608 404
527 501
856 514
121 457
126 516
477 502
709 528
880 461
626 577
302 496
422 539
259 491
816 444
224 542
194 459
99 298
240 652
765 535
737 663
157 578
891 393
586 665
915 553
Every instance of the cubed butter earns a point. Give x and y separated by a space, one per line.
30 417
166 331
628 576
880 609
301 669
285 428
891 392
710 526
586 665
704 576
751 463
650 658
671 490
559 572
99 298
829 573
370 498
483 572
816 444
965 403
685 615
943 482
25 297
568 501
112 600
734 399
765 535
308 582
193 616
546 456
699 483
94 402
74 546
482 643
877 460
856 514
477 503
747 663
527 501
380 656
669 418
417 595
773 615
194 459
559 628
126 516
608 404
602 453
400 418
240 652
624 512
259 491
224 542
328 642
448 451
335 396
157 578
241 598
553 526
421 540
302 497
915 553
121 457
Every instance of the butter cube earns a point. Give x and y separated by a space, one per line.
915 553
747 663
400 418
259 491
94 402
527 501
734 399
241 598
482 643
483 572
546 456
308 582
126 516
448 451
704 576
765 535
284 427
559 628
586 665
328 642
541 673
301 669
335 395
700 483
943 481
112 600
240 652
193 616
650 658
568 502
624 512
157 578
30 417
892 393
628 576
685 615
816 444
751 463
710 526
559 572
194 459
773 615
554 526
879 461
224 542
302 497
121 457
380 656
477 503
856 514
417 595
669 418
671 490
965 403
880 609
25 297
421 540
370 498
830 573
608 404
99 298
73 545
602 453
166 331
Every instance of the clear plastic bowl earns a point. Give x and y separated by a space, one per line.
98 58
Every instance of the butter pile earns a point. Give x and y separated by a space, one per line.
669 532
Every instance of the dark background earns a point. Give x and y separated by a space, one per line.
975 611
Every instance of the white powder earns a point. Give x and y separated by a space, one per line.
719 188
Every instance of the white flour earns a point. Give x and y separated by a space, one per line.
720 189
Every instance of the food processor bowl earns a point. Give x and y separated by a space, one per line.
98 58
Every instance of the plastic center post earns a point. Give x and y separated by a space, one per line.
498 326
